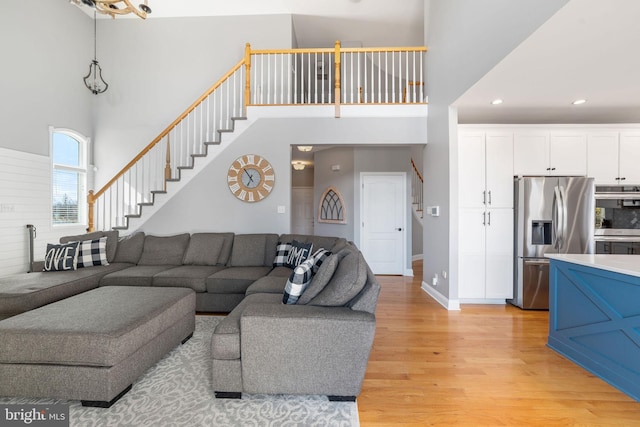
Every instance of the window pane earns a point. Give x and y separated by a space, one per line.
65 196
66 150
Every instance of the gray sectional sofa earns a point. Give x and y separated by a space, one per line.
319 345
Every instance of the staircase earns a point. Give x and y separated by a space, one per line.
417 188
333 76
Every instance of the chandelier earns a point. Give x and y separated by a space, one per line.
116 7
93 80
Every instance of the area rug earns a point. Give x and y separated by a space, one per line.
177 392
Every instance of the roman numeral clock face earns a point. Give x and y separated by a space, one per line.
251 178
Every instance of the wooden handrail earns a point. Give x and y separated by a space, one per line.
342 50
415 168
168 129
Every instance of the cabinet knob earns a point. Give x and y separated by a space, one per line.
553 169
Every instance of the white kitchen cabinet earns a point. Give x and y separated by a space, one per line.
613 158
485 165
550 153
485 262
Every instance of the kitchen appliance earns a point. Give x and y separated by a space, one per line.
552 215
617 220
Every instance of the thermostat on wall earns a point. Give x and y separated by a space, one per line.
433 210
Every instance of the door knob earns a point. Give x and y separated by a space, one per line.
398 229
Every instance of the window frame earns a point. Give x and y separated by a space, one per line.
82 169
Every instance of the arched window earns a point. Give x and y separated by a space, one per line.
69 177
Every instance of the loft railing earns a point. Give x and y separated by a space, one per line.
417 184
334 76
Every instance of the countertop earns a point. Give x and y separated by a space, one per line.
624 264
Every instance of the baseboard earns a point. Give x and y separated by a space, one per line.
408 272
417 257
494 301
449 304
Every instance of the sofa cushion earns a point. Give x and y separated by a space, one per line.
225 342
62 257
234 280
284 272
282 254
92 253
322 277
186 276
268 285
347 281
208 249
112 241
130 248
298 281
138 275
26 291
253 250
298 253
164 250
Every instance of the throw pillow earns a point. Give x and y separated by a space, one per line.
347 282
298 281
92 253
298 253
61 257
318 258
282 253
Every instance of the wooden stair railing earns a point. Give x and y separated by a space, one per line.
333 76
417 184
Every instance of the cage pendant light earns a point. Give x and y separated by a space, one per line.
93 80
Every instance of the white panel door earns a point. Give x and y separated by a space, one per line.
302 210
629 159
499 254
471 164
531 153
602 157
383 208
471 260
568 154
499 170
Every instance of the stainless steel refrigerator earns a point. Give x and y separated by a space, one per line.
552 215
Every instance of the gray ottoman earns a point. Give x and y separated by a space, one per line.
92 346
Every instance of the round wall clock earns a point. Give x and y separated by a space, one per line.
250 178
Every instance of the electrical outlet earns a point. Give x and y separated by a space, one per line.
434 281
444 274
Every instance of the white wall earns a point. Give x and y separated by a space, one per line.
466 38
158 67
46 50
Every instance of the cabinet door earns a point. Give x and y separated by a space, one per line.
499 170
499 254
471 253
629 159
471 167
602 157
568 154
530 153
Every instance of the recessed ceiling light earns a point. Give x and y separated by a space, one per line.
579 101
496 102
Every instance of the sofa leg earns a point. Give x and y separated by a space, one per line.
228 395
342 398
104 404
187 338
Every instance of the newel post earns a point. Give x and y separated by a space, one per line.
337 87
91 200
247 85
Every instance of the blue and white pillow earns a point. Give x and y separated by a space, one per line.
61 257
92 253
298 253
298 282
282 253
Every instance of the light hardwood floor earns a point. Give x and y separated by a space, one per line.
481 366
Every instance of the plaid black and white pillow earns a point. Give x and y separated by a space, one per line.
92 253
318 258
282 253
298 282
